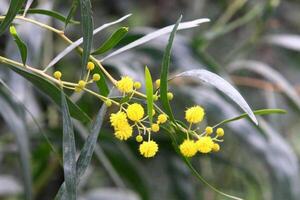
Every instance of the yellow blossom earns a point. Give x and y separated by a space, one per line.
220 132
57 74
205 144
90 66
117 119
194 114
125 84
157 83
148 149
137 85
209 130
216 147
123 131
155 127
135 112
96 77
81 84
162 118
188 148
139 138
108 103
170 96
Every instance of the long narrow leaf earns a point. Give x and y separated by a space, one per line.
149 93
165 72
112 41
213 79
21 45
80 40
156 34
28 4
72 11
14 7
69 150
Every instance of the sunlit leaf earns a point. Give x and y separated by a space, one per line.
149 93
21 45
213 79
14 7
69 150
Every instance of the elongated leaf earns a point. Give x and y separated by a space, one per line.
21 45
72 11
111 42
86 152
213 79
165 72
256 112
28 4
149 93
156 34
101 84
80 40
51 90
49 13
288 41
15 119
87 27
69 150
14 7
271 74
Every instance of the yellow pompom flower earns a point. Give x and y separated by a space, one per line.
125 84
209 130
216 147
205 144
123 131
220 132
162 118
57 74
90 66
118 119
96 77
139 138
148 149
77 89
81 84
170 96
157 83
188 148
135 112
137 85
194 114
155 128
108 103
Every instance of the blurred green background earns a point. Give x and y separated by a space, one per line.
253 44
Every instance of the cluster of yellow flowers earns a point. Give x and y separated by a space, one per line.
204 142
81 83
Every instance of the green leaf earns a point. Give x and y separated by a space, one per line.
50 13
164 73
69 150
51 90
101 84
149 93
14 117
14 7
256 112
87 31
86 152
112 41
21 45
71 12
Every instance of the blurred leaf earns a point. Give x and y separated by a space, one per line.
69 150
87 27
28 4
271 74
288 41
71 12
165 72
14 7
80 40
155 34
12 114
101 84
21 45
51 90
149 93
213 79
256 112
50 13
112 41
